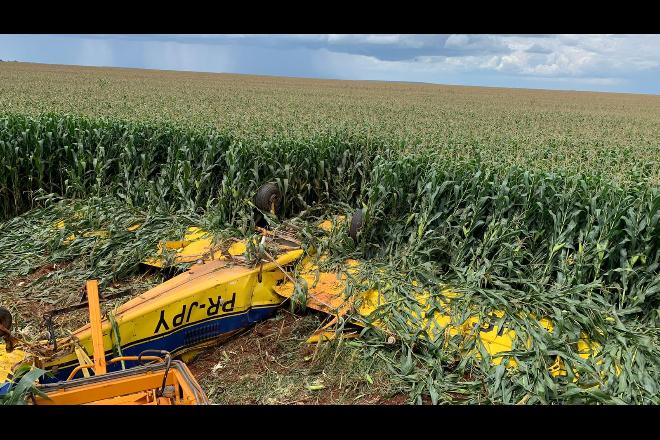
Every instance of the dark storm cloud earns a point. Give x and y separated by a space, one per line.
383 47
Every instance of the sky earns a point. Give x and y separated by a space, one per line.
609 63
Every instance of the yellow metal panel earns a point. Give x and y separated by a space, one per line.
83 359
237 248
215 288
8 361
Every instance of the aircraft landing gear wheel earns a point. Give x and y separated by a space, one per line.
268 197
5 318
6 321
357 221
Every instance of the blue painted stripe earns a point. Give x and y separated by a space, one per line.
182 338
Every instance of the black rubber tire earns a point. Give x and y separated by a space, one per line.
5 318
357 221
267 196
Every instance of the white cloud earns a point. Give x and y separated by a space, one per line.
457 41
580 56
531 55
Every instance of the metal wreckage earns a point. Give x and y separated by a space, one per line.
220 294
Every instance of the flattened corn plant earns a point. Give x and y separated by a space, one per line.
580 250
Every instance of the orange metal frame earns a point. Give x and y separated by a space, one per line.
134 389
112 361
127 387
97 327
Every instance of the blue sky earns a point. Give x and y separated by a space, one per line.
616 63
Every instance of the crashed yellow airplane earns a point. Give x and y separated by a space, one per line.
223 293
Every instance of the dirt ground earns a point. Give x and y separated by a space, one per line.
30 297
271 363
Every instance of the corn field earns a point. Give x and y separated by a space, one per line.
559 131
520 221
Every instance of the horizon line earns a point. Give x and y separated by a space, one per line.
312 78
